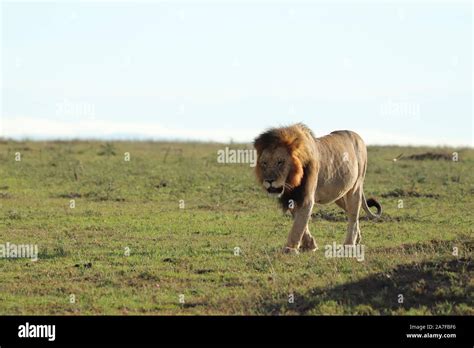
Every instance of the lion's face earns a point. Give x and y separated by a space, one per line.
281 156
274 166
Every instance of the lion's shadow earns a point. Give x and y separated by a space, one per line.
426 284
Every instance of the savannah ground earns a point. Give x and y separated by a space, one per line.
183 260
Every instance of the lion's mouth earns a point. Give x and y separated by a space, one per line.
275 190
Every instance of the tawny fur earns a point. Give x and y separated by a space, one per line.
303 170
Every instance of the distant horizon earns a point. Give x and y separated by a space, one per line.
230 142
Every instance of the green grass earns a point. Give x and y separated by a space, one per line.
190 251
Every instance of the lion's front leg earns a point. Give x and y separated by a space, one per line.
300 226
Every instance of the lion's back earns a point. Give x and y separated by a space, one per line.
349 139
343 159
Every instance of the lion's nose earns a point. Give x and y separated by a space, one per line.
269 182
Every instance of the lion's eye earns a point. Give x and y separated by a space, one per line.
264 163
280 163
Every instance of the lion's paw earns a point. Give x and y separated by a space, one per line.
288 250
309 246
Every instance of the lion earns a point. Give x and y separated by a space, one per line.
301 170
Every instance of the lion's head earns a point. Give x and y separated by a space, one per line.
281 156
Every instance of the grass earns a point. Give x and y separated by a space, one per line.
133 207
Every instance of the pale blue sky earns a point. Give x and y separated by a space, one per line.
395 72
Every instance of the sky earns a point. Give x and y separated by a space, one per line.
395 72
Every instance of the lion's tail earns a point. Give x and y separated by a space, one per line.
371 202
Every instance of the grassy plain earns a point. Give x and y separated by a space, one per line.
183 260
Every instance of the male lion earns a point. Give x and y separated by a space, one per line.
300 169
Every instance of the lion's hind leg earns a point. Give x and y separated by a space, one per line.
352 204
340 202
